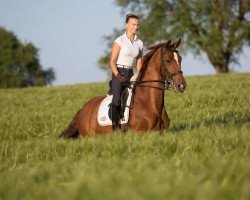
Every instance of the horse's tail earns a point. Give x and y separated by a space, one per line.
72 130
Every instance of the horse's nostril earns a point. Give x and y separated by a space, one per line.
180 86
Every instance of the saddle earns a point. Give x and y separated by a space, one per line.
104 111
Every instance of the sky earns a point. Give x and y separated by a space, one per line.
69 36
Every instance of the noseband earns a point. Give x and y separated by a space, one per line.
167 76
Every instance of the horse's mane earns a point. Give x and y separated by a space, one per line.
146 58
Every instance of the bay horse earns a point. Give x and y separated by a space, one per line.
161 67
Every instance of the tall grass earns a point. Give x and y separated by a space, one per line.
203 155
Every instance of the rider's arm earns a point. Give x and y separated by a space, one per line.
114 55
139 61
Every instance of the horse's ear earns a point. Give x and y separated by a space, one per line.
168 43
176 44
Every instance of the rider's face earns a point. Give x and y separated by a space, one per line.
132 25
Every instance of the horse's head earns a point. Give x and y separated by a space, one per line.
170 65
164 61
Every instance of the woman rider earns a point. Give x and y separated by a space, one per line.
126 49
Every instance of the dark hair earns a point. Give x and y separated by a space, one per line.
131 15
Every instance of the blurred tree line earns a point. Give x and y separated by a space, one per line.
19 63
217 28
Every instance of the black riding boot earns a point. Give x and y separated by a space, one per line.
115 117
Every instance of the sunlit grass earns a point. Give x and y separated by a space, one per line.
203 155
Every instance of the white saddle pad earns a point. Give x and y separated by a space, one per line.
102 116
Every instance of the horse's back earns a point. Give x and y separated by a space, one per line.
87 119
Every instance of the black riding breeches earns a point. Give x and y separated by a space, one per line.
117 87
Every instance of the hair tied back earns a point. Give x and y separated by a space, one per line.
131 15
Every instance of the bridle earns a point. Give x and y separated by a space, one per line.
168 76
167 81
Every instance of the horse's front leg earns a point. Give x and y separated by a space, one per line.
164 118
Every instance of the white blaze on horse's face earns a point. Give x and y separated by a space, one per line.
180 86
176 59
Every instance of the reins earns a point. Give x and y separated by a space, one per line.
168 77
138 83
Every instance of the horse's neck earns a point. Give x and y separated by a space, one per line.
152 71
153 97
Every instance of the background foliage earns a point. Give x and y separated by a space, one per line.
218 29
19 63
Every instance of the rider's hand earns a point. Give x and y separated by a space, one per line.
120 78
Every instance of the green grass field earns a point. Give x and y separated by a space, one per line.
205 154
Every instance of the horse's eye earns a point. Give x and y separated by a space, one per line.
168 61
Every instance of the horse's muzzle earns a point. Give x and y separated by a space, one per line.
180 87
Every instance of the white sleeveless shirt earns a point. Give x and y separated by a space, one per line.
128 51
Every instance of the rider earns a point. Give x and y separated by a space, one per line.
126 49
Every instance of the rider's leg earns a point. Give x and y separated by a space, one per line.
116 102
117 88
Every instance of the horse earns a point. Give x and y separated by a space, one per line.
161 68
